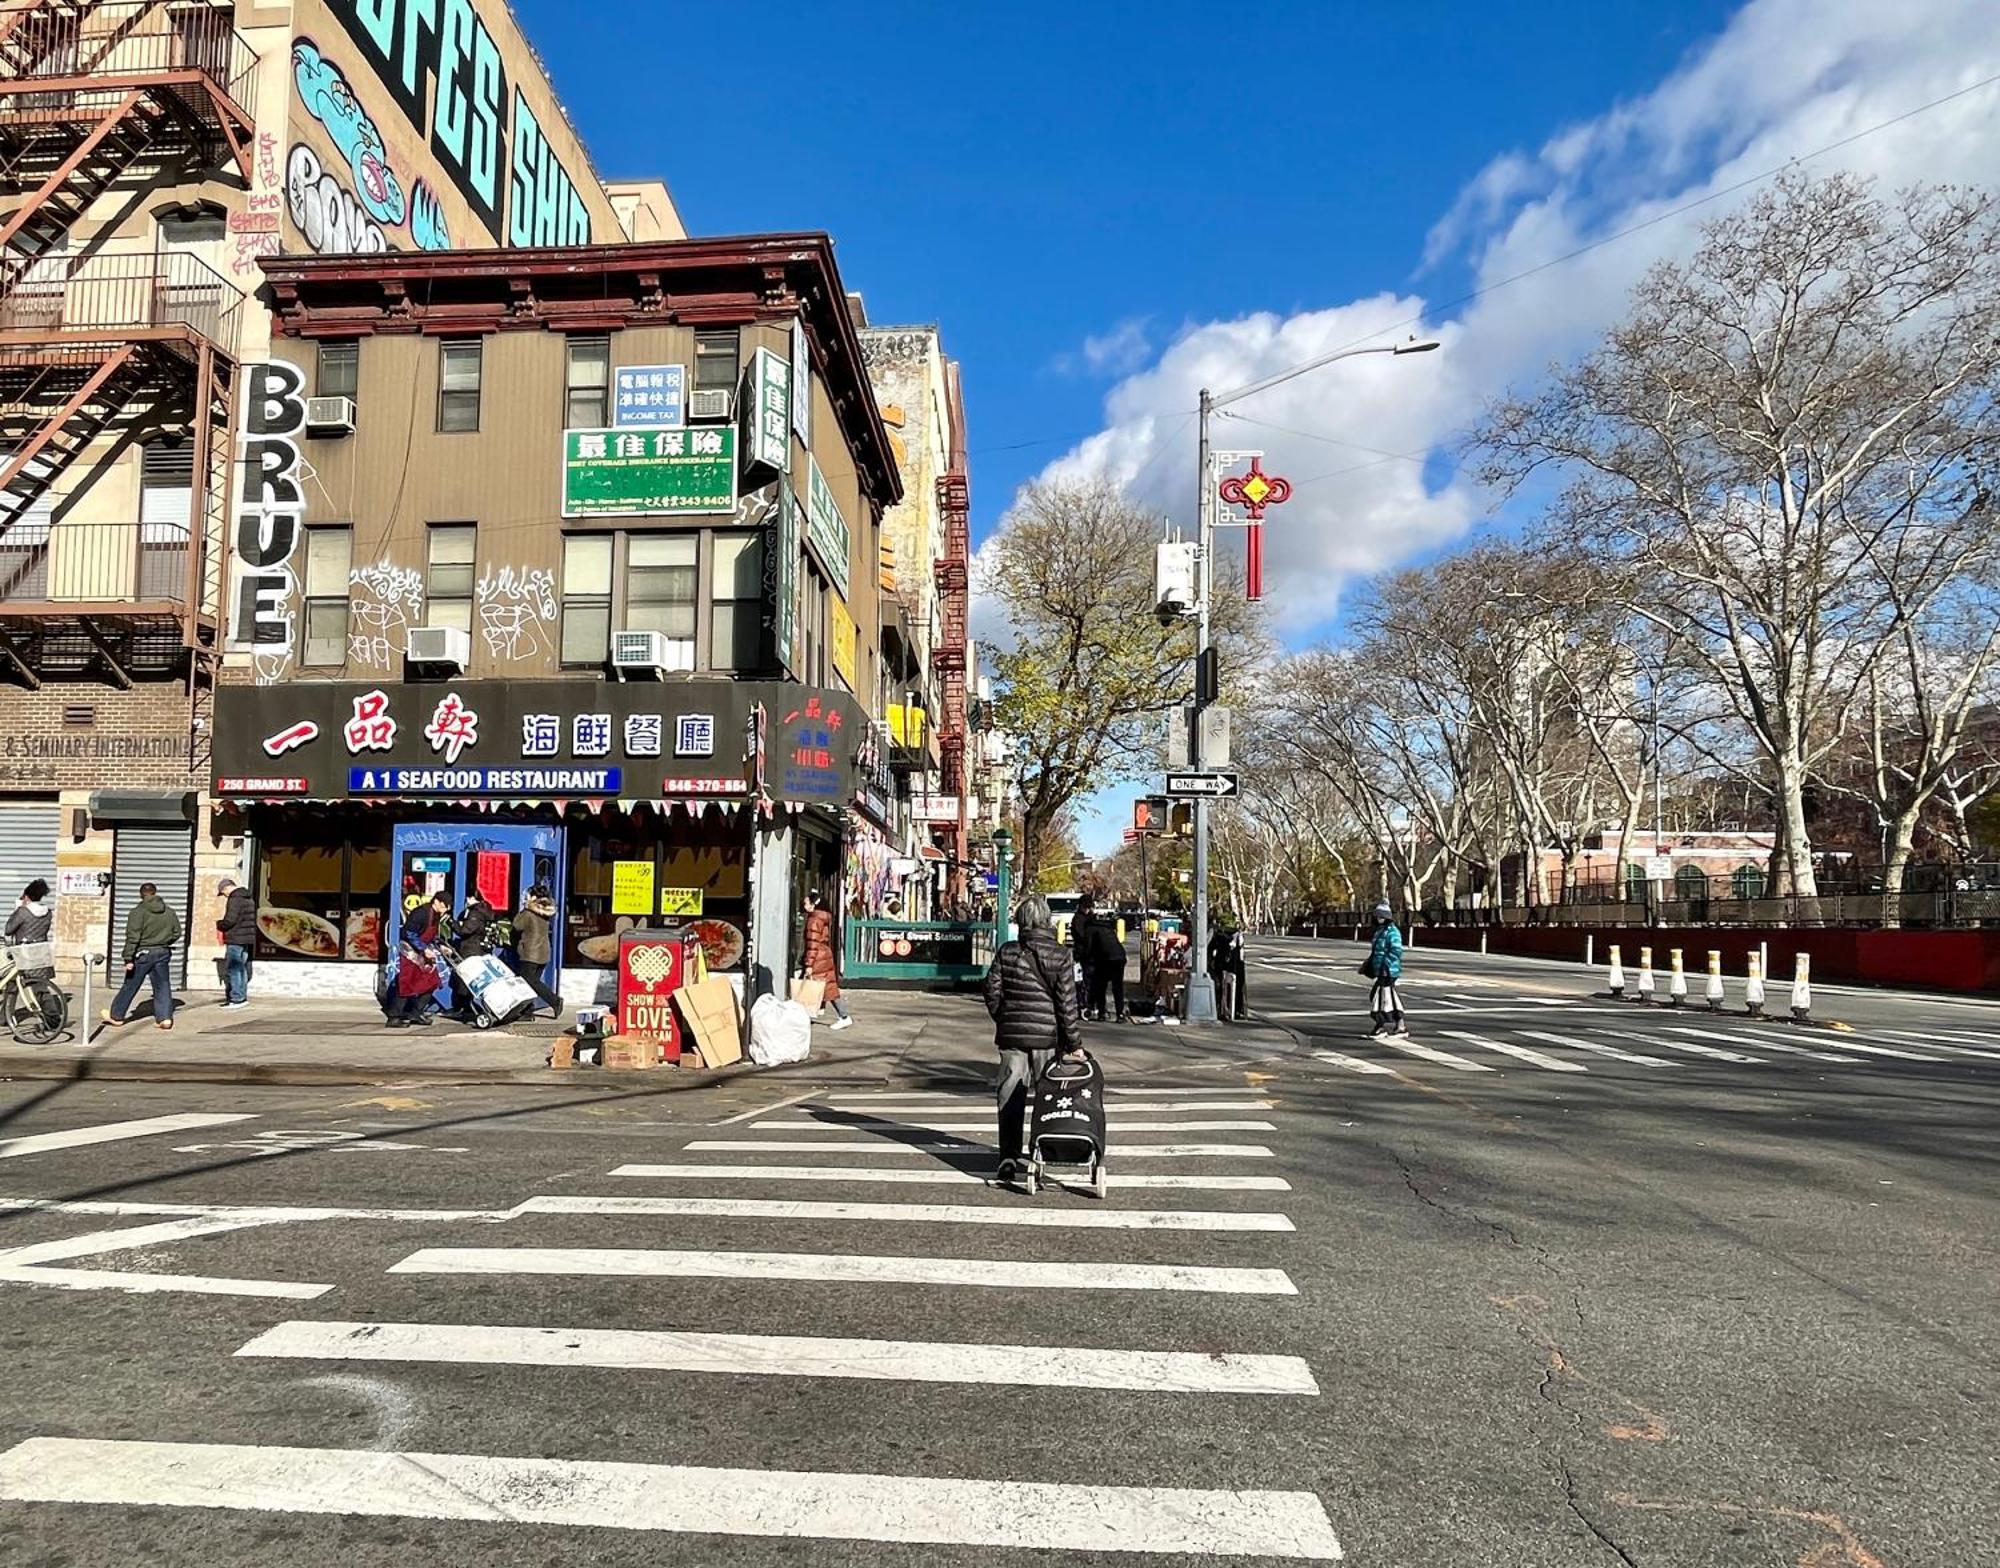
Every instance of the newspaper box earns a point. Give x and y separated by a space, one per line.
652 966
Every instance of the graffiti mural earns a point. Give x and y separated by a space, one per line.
324 93
518 610
427 225
325 211
269 513
384 602
253 232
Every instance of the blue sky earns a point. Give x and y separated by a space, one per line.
1107 206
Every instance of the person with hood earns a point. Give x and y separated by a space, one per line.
151 930
238 930
417 964
1031 996
1103 958
32 919
1385 968
533 948
471 933
822 961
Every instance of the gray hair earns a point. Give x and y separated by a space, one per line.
1032 914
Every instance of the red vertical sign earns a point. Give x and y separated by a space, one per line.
491 875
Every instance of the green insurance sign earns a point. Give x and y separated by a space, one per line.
631 473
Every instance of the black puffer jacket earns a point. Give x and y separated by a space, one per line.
1100 947
1031 993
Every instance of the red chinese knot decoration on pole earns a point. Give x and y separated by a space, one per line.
1253 492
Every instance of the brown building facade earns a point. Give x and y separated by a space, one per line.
585 539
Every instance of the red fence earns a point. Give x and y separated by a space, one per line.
1932 960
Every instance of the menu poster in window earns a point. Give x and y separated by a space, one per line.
632 887
680 901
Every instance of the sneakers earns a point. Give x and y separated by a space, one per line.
840 1024
163 1023
106 1017
244 1003
1400 1031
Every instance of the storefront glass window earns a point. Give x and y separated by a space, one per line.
708 855
321 885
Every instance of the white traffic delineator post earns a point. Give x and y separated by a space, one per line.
1753 988
1645 975
1617 976
1715 997
1677 980
1802 989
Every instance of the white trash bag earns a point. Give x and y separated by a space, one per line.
780 1031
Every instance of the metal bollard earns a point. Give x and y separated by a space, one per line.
1753 987
1802 989
1715 996
1589 949
1617 975
1677 980
1645 993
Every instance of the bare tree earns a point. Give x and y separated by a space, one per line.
1802 408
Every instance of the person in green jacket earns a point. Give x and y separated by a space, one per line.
151 930
1385 968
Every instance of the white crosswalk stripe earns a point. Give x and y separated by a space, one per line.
1848 1042
1442 1058
1693 1048
1612 1051
838 1175
112 1132
986 1125
1114 1108
785 1355
1341 1059
844 1268
1764 1044
1936 1042
1524 1053
1008 1214
672 1499
965 1146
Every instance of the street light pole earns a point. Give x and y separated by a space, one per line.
1200 989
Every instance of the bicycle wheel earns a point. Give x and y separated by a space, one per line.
31 1021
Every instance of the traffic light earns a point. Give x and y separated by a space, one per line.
1183 819
1150 814
1207 677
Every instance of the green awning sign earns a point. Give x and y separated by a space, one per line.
637 473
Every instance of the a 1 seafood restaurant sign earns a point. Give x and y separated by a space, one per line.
525 740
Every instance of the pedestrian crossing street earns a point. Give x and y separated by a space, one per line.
1655 1040
1200 1223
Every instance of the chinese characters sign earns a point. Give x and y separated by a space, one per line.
770 411
813 748
825 527
781 578
627 473
841 641
652 395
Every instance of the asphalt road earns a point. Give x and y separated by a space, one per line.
1469 1308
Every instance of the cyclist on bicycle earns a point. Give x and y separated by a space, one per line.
31 921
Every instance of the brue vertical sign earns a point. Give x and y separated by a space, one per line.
270 513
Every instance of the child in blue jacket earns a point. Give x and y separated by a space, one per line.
1385 967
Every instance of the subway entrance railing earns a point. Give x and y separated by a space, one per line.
947 951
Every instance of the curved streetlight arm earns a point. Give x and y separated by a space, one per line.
1219 399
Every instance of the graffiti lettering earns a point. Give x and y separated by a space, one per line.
543 207
384 602
325 95
324 211
271 509
427 225
516 610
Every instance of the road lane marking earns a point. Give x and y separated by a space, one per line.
1599 1050
984 1094
1114 1109
1126 1151
112 1132
784 1355
1715 1052
674 1499
1935 1041
1444 1058
838 1175
1341 1059
815 1210
844 1268
1522 1052
158 1284
766 1110
879 1126
1760 1041
1844 1040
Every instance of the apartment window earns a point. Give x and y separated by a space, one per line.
586 602
715 355
329 559
660 581
736 589
339 368
448 576
458 384
587 386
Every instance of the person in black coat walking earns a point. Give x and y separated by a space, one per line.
1103 957
1031 993
238 930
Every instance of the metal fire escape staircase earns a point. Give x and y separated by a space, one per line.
954 580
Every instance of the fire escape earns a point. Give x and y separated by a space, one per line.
102 348
953 572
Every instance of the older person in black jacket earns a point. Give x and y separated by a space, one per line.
1031 993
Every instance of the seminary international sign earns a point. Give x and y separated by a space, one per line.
633 473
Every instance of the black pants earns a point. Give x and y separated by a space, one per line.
1103 977
1237 977
532 973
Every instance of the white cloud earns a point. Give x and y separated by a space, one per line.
1784 78
1118 352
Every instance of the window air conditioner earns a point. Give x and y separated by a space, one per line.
440 645
715 403
652 651
329 416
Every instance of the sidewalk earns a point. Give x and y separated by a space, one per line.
898 1036
287 1040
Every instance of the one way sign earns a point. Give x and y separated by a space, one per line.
1213 786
